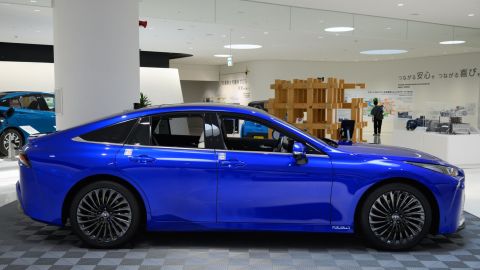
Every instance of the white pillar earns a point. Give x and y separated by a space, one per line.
96 48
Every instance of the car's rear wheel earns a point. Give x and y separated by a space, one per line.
105 214
10 135
395 217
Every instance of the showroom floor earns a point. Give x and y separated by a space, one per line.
26 244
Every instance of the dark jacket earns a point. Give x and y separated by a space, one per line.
377 112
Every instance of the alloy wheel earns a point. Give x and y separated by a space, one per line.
396 217
104 215
11 136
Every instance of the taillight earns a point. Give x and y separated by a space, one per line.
22 158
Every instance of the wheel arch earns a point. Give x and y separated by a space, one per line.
92 178
414 183
20 131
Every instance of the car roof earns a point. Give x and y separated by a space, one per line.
201 106
18 93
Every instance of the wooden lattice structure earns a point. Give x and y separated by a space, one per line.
320 100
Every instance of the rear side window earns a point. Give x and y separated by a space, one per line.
116 133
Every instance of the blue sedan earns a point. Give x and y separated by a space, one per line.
177 168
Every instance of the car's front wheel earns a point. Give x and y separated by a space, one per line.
395 216
105 214
10 135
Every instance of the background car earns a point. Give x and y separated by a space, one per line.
250 129
23 114
177 168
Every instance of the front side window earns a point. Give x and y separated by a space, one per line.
247 134
49 102
116 133
184 131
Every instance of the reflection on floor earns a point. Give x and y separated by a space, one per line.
27 244
8 177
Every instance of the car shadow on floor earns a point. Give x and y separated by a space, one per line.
17 228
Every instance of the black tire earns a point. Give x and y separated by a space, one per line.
115 217
397 226
9 133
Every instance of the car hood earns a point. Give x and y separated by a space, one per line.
388 152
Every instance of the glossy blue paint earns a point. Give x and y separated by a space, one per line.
42 119
220 189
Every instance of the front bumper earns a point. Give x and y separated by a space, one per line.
453 219
19 195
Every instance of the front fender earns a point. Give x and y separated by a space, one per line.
353 178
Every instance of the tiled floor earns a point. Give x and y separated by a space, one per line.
26 244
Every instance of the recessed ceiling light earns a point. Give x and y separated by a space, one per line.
243 46
339 29
388 28
223 55
36 10
191 48
265 33
471 15
452 42
383 52
400 4
33 1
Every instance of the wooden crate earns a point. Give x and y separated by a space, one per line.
320 100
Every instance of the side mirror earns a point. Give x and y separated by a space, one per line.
299 153
9 112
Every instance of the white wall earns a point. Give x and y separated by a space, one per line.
197 91
162 85
25 76
197 72
381 75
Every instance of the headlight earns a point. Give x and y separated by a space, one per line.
438 168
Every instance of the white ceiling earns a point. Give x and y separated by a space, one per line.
450 12
202 28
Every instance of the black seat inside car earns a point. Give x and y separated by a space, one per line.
33 105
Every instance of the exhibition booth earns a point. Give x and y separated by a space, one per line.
235 134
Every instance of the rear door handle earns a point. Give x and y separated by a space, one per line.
142 159
232 163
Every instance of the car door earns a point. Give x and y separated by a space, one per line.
263 186
31 118
171 158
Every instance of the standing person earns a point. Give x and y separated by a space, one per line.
377 115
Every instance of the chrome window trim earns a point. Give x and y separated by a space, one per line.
78 139
168 147
267 153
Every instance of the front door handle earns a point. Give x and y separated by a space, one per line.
143 159
233 163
